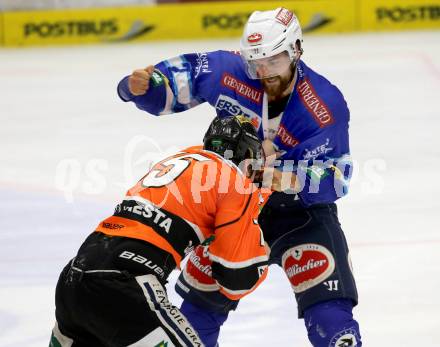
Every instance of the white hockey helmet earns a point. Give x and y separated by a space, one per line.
266 35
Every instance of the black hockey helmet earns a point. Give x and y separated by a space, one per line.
234 138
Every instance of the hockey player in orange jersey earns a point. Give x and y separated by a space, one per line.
112 293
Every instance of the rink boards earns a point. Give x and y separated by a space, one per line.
207 20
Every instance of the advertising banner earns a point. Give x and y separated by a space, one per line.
399 15
208 20
165 22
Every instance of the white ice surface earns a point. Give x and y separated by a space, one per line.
63 126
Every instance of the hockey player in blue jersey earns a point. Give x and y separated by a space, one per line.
303 119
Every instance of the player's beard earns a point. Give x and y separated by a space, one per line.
275 86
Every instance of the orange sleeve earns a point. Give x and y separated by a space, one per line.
239 258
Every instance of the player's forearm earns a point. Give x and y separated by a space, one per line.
279 181
274 179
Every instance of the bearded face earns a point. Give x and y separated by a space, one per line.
275 86
275 73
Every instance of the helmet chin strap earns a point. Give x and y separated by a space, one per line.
293 71
294 63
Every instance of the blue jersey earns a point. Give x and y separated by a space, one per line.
312 136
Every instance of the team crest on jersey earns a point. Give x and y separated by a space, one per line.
307 265
314 104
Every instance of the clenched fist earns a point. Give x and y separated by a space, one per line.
139 80
273 178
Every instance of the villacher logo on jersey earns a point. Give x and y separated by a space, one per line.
242 88
199 266
307 265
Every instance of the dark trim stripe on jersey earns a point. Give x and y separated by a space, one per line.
181 234
240 279
236 219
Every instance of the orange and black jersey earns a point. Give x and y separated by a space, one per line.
190 197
